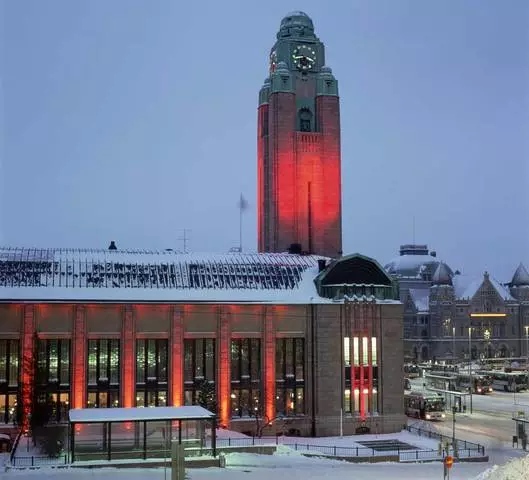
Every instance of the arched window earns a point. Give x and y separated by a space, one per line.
305 120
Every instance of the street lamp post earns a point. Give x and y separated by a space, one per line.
527 353
470 364
454 345
454 410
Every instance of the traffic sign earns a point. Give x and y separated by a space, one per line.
449 461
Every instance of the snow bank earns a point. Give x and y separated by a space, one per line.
516 469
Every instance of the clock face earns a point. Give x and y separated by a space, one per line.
273 61
304 57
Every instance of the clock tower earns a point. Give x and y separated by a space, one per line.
298 137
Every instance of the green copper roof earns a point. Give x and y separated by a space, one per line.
296 24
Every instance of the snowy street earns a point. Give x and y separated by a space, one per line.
284 465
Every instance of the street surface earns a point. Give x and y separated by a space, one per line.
490 423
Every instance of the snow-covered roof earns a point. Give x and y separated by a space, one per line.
421 299
466 287
413 266
442 275
157 276
95 415
520 277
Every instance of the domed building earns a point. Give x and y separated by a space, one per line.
440 305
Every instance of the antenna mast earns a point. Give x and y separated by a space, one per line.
184 238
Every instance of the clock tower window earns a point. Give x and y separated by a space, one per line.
305 120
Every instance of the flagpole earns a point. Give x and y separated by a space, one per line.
243 205
240 224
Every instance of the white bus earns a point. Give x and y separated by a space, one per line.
506 382
480 383
424 405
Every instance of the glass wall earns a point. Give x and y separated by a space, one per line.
290 376
151 372
53 378
246 377
199 372
361 377
103 373
9 379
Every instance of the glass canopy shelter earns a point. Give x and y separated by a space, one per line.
139 433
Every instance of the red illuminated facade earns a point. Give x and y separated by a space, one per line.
272 335
299 165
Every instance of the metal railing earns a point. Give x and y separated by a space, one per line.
405 454
39 461
462 444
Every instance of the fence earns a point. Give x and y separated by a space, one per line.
39 461
406 454
465 449
462 444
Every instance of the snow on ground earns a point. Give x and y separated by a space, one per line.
422 443
283 465
290 464
516 469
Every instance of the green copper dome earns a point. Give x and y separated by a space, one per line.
296 24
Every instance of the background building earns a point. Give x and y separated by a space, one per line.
293 339
298 138
440 305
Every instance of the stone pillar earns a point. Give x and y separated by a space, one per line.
223 367
176 385
128 358
28 362
79 358
269 364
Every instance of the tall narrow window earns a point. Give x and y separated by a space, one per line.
103 373
346 351
374 386
53 378
365 351
347 374
290 376
151 373
305 120
199 372
9 373
246 377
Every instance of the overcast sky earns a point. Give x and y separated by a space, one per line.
133 120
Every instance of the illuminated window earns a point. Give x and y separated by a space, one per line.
346 351
290 376
361 379
246 377
9 371
103 373
199 372
151 372
53 379
347 400
365 353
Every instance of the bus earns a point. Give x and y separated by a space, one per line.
407 384
412 371
424 405
458 382
446 382
506 382
477 383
